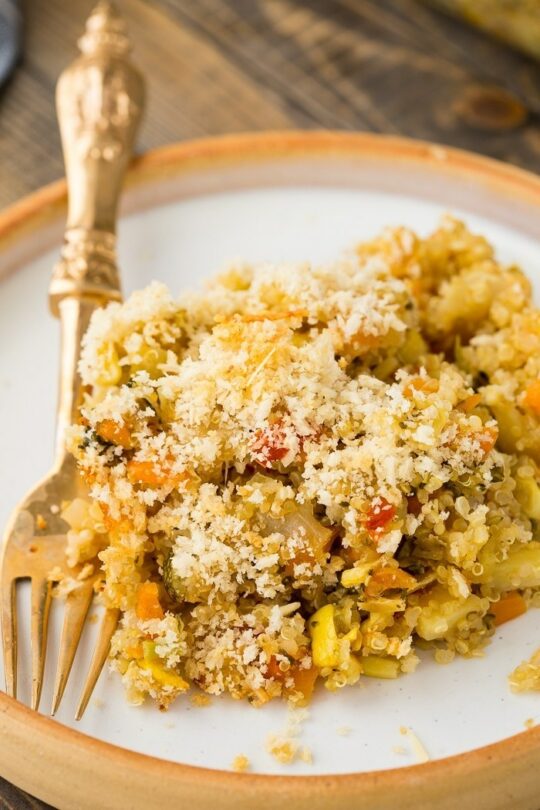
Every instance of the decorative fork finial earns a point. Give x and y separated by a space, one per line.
105 28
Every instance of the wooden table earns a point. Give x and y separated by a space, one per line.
217 66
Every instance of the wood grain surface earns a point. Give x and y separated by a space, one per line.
217 66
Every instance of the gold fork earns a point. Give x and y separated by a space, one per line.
100 100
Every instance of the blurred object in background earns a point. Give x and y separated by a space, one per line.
514 21
10 37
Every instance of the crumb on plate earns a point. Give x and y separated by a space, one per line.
201 700
241 763
282 748
417 746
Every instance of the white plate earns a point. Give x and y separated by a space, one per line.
190 225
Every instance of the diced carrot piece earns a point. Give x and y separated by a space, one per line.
303 679
509 607
470 403
273 670
364 340
304 682
488 438
426 385
147 472
532 397
148 604
114 432
307 556
120 524
387 578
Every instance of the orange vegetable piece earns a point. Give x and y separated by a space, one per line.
532 397
487 439
470 403
148 605
318 541
304 682
364 340
273 670
426 385
509 607
303 556
387 578
114 432
147 472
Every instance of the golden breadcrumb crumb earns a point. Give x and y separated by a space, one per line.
241 763
284 749
200 700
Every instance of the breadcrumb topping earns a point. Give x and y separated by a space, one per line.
299 472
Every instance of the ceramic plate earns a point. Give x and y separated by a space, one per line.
187 211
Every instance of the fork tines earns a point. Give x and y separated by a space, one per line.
23 561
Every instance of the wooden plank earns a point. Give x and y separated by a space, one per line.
228 65
384 65
11 798
193 90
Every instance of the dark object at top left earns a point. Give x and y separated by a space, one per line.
10 37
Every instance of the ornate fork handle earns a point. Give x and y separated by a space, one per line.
100 99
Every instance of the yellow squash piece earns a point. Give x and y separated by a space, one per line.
165 677
442 613
325 645
521 569
528 495
353 577
376 666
